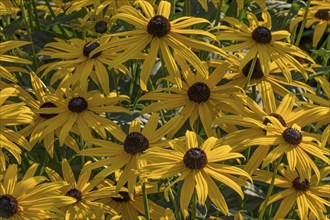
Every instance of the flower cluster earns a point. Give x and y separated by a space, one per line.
143 109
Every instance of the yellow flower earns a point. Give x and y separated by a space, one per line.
127 155
296 144
6 7
156 29
197 164
254 119
6 71
99 5
30 198
83 191
318 15
76 54
275 78
198 97
263 44
11 115
240 3
42 99
132 208
80 112
306 194
320 104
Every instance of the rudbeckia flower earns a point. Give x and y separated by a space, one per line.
263 44
132 208
83 191
31 197
275 78
198 97
127 155
80 112
156 29
6 70
197 164
240 3
6 7
11 115
42 98
296 190
99 5
319 16
320 103
76 54
295 144
95 24
253 119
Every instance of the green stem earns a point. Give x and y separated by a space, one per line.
194 206
218 15
251 70
270 189
145 202
173 2
303 24
187 7
286 19
176 208
55 19
322 46
28 29
35 11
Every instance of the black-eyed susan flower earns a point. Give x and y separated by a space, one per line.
75 54
320 104
156 29
240 3
296 190
42 97
12 114
96 24
297 145
7 7
127 155
318 17
199 97
6 70
99 5
31 197
81 112
263 44
132 208
197 164
83 190
278 82
253 119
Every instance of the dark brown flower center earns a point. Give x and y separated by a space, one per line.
278 117
101 27
47 105
159 26
257 72
199 92
88 48
262 35
125 197
292 136
77 104
135 142
300 185
323 14
8 206
195 158
75 193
